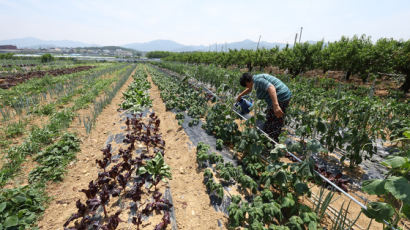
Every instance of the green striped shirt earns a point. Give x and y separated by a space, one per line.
261 83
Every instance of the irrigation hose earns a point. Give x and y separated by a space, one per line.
299 160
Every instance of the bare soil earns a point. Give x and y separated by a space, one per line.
84 169
192 204
38 120
12 80
382 86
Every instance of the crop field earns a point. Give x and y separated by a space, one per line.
14 79
159 145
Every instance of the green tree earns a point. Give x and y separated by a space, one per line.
345 55
261 58
46 58
303 57
6 56
401 62
378 58
158 54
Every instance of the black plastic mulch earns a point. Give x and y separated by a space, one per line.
118 139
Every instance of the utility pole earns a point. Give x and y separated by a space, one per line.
296 38
300 35
257 46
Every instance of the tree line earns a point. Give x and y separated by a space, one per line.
357 55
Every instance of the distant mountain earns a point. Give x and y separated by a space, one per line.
162 45
168 45
30 42
251 45
112 48
191 48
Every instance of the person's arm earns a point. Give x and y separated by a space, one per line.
246 91
276 108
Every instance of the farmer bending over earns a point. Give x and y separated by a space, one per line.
276 94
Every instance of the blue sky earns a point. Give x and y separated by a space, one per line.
196 22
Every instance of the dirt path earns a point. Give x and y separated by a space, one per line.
80 172
191 202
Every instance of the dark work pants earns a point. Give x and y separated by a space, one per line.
273 125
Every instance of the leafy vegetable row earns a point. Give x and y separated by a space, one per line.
127 182
41 137
122 180
32 92
271 195
284 182
180 97
53 150
221 123
338 116
136 97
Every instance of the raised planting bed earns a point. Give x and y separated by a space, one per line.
12 80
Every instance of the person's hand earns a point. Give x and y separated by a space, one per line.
278 111
238 98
